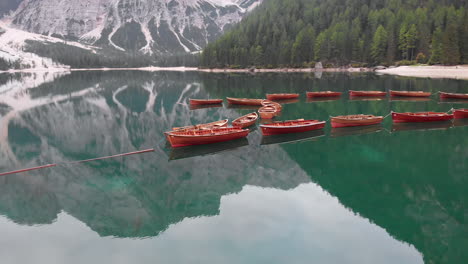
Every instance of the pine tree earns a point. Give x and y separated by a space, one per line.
411 38
402 42
302 49
379 44
436 47
450 48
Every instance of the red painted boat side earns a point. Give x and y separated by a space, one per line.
272 129
460 113
282 96
420 117
410 93
238 122
367 93
181 139
366 120
453 95
323 94
205 101
244 101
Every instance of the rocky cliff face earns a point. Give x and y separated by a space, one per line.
149 26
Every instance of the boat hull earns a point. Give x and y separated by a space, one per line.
271 129
453 96
460 113
216 124
367 93
273 97
420 117
409 94
244 101
239 123
205 102
177 140
323 94
342 122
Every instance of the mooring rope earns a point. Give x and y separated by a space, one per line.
76 162
387 115
29 169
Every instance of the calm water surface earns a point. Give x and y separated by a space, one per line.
380 194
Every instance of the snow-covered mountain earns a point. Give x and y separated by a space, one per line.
147 26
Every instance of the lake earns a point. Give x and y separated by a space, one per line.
379 194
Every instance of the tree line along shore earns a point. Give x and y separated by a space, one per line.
355 33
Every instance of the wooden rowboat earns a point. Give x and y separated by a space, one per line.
410 93
244 101
267 112
205 101
200 137
216 124
355 120
282 96
453 95
460 113
323 94
278 106
367 93
291 126
245 121
420 117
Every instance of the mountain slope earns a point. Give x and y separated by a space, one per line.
297 33
148 26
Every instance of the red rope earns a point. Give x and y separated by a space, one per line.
30 169
76 162
113 156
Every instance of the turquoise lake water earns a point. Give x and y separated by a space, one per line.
378 194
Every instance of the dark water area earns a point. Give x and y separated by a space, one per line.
378 194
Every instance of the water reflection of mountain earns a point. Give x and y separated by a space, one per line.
418 199
85 115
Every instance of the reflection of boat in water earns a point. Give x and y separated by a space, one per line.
409 99
350 131
288 101
245 107
203 150
294 137
460 122
453 101
367 98
322 99
196 107
440 125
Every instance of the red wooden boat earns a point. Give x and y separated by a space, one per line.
367 93
420 117
323 94
245 121
410 93
355 120
453 95
291 126
200 137
205 101
244 101
278 106
212 125
282 96
267 112
460 113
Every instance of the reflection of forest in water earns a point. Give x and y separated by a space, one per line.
413 189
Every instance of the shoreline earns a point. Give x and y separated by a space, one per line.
438 72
